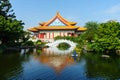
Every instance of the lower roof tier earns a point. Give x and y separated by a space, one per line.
34 29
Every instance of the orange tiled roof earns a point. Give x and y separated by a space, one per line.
81 29
45 25
32 29
42 24
56 27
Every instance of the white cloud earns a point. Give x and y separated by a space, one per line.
114 9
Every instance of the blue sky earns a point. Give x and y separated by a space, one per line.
32 12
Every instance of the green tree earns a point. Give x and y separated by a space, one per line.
108 37
89 34
5 9
11 29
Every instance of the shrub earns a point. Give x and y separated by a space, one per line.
63 46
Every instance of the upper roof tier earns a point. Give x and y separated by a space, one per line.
57 23
58 19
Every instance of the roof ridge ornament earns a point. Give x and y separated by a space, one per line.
58 13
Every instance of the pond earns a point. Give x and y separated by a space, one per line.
49 65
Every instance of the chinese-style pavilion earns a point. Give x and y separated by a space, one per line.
57 26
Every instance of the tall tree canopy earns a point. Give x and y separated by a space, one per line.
5 9
91 30
11 29
108 36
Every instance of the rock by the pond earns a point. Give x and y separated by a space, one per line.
105 56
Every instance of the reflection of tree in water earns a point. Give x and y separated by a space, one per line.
98 67
11 65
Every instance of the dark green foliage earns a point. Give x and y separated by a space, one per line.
2 48
103 37
28 43
39 51
11 29
89 34
105 67
63 46
71 38
107 37
5 9
38 43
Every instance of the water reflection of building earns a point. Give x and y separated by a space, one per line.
55 59
56 51
57 62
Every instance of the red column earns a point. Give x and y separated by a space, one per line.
60 33
53 35
43 35
63 34
38 35
49 35
66 34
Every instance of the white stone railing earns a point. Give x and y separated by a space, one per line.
55 43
